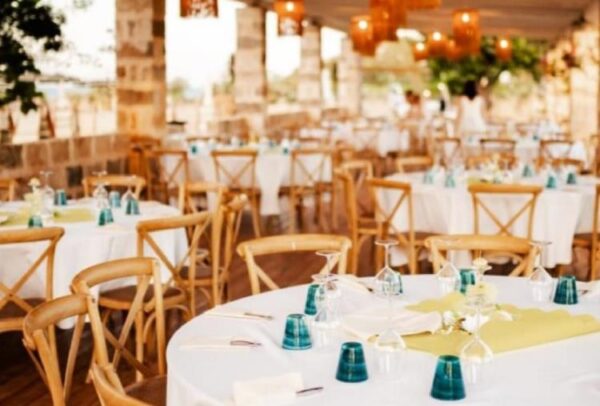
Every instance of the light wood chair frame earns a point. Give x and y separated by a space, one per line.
505 146
403 164
7 188
439 149
546 154
167 180
125 181
280 244
594 244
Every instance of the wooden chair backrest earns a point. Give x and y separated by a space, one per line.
366 138
190 191
413 163
309 167
136 183
358 171
492 145
504 160
577 164
234 179
109 389
595 237
179 173
448 149
528 209
480 245
9 295
548 149
280 244
7 189
146 271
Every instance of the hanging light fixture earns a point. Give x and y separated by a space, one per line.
465 27
380 18
503 49
422 4
420 51
436 44
453 51
290 14
199 8
397 10
361 33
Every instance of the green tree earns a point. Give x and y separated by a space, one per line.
23 23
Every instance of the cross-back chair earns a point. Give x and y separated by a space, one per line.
481 245
555 149
241 180
389 199
527 210
504 160
169 169
309 177
414 163
136 183
448 149
497 145
281 244
591 241
109 389
143 303
7 189
576 164
13 306
199 196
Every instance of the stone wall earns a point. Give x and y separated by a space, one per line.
309 74
349 79
70 159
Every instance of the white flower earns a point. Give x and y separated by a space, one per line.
503 315
469 324
449 318
34 182
485 290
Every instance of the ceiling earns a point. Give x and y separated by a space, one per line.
536 19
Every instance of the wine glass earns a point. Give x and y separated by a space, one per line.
128 195
476 354
389 344
100 194
47 192
448 278
327 318
540 280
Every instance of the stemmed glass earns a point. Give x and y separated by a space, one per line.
476 354
540 280
100 194
327 317
448 278
389 344
47 197
127 196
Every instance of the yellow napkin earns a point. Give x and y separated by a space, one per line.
64 216
528 328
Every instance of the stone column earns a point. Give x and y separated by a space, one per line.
250 72
349 79
584 84
309 75
141 72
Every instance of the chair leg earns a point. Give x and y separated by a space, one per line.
139 343
334 209
255 215
292 206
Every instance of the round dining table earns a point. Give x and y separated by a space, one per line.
555 373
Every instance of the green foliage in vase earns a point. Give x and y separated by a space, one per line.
24 25
526 56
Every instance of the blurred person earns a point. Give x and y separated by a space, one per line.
471 108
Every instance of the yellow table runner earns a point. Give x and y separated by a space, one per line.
64 216
528 328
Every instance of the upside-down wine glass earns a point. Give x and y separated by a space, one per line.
327 318
100 194
47 197
540 280
476 354
389 344
128 195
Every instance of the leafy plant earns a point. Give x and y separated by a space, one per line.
526 56
24 23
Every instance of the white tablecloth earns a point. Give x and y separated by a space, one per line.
559 373
384 140
559 214
86 244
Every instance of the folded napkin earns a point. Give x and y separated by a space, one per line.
352 282
592 289
226 311
216 343
373 321
268 391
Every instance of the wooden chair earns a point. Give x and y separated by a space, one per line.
111 393
527 210
197 196
136 183
554 149
242 180
281 244
481 245
308 178
143 303
164 179
7 190
413 163
497 146
13 306
504 160
401 195
576 164
448 149
366 139
361 227
591 241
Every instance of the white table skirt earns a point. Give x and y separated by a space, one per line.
86 244
559 373
559 214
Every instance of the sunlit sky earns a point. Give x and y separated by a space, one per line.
198 50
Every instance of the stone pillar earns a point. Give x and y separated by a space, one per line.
141 68
309 75
349 79
584 84
250 70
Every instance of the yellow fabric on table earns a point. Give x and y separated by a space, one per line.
529 327
65 216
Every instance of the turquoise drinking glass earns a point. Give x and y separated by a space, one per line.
60 198
132 208
571 178
114 198
352 366
566 291
428 178
448 383
551 183
450 182
105 217
310 307
528 171
35 221
467 277
296 336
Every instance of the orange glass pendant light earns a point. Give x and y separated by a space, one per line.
199 8
436 44
397 10
422 4
361 33
380 17
453 51
465 27
290 14
503 49
420 51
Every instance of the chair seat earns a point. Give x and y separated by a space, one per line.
152 391
202 272
121 298
11 315
583 240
